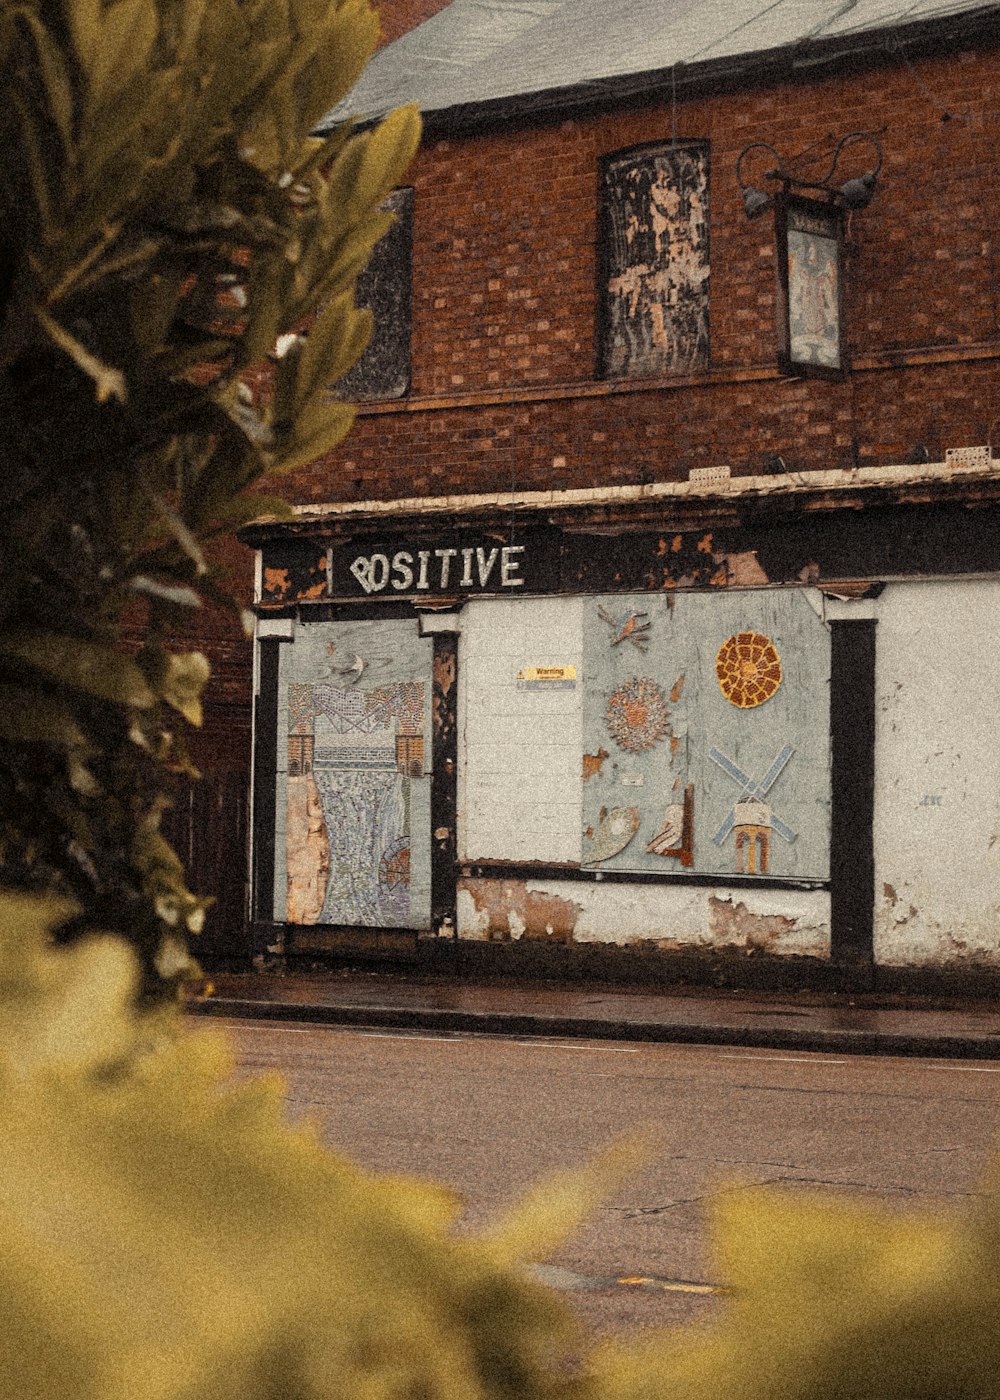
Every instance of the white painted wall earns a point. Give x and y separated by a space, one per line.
520 799
937 799
937 773
522 747
674 916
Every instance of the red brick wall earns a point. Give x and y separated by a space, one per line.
399 16
223 743
505 303
505 300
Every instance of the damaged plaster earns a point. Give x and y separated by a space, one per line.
509 909
666 918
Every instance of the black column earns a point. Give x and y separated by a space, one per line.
444 780
852 840
265 767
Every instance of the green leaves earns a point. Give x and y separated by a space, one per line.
178 678
166 1235
79 664
546 1216
109 383
36 716
166 217
389 149
833 1299
120 46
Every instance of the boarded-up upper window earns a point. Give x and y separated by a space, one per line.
654 283
383 372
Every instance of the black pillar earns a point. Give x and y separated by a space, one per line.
444 780
265 767
852 841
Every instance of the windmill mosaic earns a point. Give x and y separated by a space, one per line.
751 817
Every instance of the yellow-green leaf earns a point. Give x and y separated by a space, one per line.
109 382
178 678
127 34
54 76
335 341
80 664
33 716
316 433
544 1218
389 151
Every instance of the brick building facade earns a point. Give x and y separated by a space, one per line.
528 438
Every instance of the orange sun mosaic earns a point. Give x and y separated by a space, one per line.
749 669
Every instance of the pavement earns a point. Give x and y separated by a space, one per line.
863 1024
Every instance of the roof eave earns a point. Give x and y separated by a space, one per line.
795 62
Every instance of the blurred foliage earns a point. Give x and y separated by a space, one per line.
834 1300
166 1234
165 216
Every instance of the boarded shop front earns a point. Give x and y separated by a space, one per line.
657 733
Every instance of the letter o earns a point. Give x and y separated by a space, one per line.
378 572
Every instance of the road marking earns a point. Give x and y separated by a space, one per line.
669 1285
552 1045
459 1037
783 1059
968 1069
401 1035
252 1027
566 1279
285 1030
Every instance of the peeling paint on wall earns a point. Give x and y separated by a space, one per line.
665 918
508 909
742 570
444 679
276 583
733 923
655 306
593 763
294 571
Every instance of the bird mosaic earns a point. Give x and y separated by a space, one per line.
627 627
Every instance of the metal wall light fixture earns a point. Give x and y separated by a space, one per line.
808 222
854 193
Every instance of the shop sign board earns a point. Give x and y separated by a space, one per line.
469 563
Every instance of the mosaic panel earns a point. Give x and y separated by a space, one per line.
353 837
720 746
637 716
748 669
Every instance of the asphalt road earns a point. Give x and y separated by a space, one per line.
490 1116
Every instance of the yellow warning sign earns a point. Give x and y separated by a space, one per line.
547 678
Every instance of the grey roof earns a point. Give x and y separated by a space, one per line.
480 54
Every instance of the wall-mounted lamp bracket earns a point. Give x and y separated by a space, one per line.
853 193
